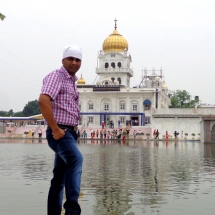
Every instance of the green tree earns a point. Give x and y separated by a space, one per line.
183 99
32 108
3 113
18 114
10 112
2 16
6 113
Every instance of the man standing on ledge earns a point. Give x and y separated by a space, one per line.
59 106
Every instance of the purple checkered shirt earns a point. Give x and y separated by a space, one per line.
61 87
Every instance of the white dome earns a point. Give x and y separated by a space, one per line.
157 79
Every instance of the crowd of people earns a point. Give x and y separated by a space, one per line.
31 133
104 133
107 134
156 134
110 123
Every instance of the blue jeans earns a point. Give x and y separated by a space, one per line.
66 173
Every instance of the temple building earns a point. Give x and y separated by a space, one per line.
145 105
112 97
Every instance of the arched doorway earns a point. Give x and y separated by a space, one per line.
213 134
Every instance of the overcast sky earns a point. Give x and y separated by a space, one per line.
177 35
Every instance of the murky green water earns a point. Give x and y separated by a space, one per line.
131 178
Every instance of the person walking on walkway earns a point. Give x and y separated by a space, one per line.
157 134
40 133
176 134
182 135
111 122
127 133
58 103
167 135
105 133
93 134
84 134
134 134
108 135
154 133
101 134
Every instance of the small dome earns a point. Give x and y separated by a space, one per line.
115 42
157 79
164 85
81 80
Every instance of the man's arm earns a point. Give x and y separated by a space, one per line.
47 112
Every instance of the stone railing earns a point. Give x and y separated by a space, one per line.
118 70
194 111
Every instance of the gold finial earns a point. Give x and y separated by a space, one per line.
115 23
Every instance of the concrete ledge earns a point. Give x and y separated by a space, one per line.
130 139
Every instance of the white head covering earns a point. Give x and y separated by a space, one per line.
72 51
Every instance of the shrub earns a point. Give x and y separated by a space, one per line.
186 134
26 132
193 134
9 131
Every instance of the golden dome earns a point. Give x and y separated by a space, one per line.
164 85
115 42
81 80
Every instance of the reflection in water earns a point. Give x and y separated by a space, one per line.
119 177
209 150
119 174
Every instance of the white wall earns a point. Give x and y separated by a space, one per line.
187 125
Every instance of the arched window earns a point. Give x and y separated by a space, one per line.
113 65
106 104
119 64
106 65
119 80
90 105
106 83
122 105
134 105
80 120
113 79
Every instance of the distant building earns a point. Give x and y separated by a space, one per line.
112 97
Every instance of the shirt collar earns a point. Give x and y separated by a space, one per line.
73 78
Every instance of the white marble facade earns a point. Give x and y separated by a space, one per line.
114 70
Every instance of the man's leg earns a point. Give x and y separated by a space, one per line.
56 190
73 158
66 148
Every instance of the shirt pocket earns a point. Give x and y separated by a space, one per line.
67 92
73 95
